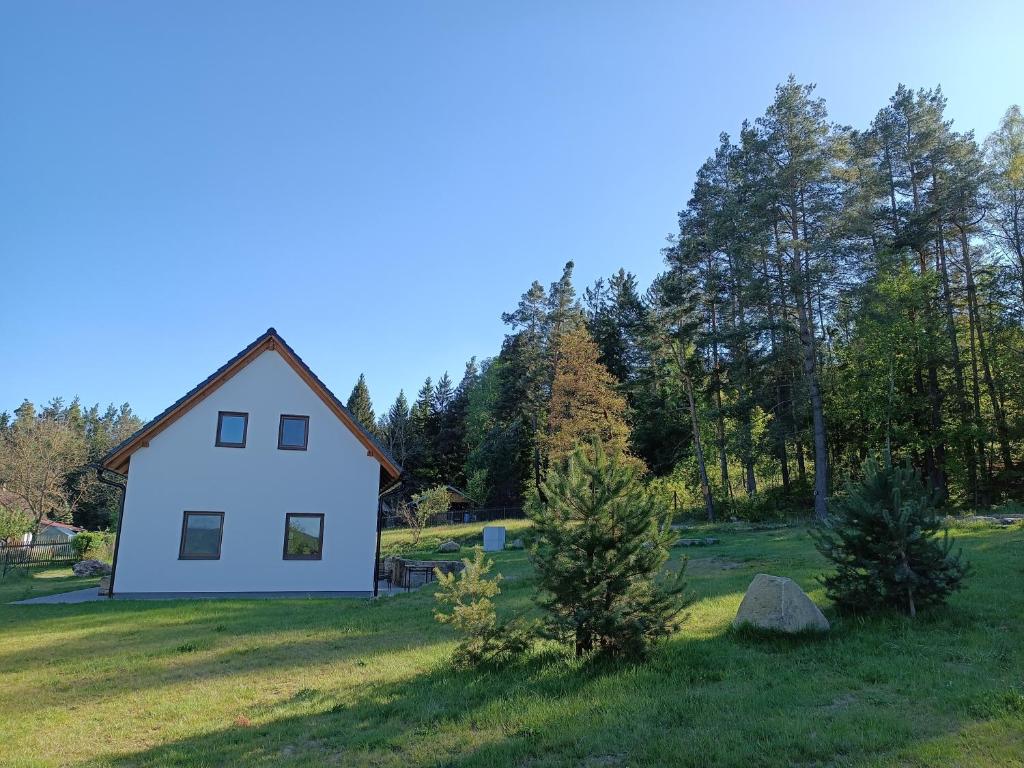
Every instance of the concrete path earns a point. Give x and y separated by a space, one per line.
92 594
78 596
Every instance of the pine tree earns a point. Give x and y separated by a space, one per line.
615 317
1004 151
601 542
446 436
394 428
422 462
672 331
884 540
361 406
584 402
452 443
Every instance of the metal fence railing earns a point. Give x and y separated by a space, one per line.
456 516
18 555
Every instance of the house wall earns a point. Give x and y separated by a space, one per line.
181 470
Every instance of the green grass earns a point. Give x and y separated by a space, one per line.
360 683
398 540
37 581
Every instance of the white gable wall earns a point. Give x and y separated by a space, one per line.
254 487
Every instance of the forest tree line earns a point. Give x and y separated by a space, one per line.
830 292
46 464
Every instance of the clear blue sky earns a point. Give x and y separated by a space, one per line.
379 181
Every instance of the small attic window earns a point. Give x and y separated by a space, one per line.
293 433
231 429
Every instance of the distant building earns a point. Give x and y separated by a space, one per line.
52 532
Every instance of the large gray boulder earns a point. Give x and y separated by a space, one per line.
90 568
777 603
449 546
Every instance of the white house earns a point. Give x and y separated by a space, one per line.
258 480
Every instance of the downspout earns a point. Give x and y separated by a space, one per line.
376 557
123 488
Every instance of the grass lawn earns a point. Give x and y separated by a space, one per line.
360 683
38 581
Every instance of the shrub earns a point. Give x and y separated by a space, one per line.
601 541
770 505
88 543
469 596
884 540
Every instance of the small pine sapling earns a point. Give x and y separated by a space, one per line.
468 598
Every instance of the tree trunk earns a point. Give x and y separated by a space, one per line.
935 453
817 414
805 318
986 485
705 486
780 389
723 459
959 388
997 410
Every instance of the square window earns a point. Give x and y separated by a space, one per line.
231 429
303 536
201 535
293 433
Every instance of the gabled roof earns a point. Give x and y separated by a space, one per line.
60 526
457 496
117 459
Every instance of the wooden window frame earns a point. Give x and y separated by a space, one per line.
245 429
320 546
280 433
182 555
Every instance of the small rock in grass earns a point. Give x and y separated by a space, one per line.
449 546
778 604
515 544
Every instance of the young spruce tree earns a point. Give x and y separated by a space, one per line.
601 541
884 540
361 406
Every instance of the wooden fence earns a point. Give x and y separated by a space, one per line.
19 555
